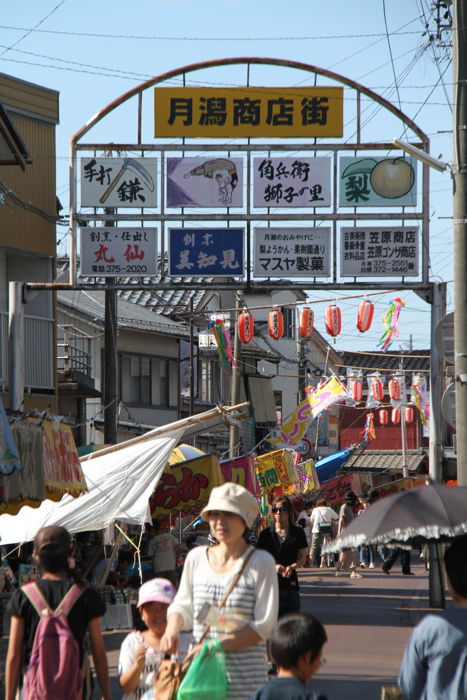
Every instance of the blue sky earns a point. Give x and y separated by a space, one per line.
92 52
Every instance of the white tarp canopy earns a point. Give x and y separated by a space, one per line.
120 480
120 484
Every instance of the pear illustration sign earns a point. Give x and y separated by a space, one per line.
377 181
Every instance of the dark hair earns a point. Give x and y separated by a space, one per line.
308 504
455 560
52 548
350 498
294 636
321 502
285 500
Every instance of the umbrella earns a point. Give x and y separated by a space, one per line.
183 452
428 513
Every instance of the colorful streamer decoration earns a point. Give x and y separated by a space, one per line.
224 347
369 429
390 322
421 404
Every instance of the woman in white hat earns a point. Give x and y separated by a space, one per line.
250 613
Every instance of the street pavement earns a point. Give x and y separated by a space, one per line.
368 622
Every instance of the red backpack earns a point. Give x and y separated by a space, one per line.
54 669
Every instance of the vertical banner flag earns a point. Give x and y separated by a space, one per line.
291 432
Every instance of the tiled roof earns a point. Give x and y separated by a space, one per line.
411 361
384 460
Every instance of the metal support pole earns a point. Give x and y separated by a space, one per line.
437 424
435 577
405 471
459 171
234 435
16 345
110 366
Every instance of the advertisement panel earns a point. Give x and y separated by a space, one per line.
118 182
206 252
379 251
292 252
377 182
292 182
116 251
204 182
248 112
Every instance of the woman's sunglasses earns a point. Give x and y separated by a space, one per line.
280 510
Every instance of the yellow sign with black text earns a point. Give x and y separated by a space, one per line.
248 112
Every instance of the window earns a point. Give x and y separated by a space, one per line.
289 321
209 385
148 381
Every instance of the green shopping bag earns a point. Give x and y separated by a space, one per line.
206 677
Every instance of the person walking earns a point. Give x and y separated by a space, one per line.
287 544
52 547
322 519
347 558
435 658
250 611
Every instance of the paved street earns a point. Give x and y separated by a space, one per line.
368 622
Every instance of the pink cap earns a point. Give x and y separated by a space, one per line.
157 590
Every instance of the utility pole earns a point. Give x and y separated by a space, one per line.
459 173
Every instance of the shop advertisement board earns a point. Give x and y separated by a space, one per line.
372 181
215 181
292 252
116 252
379 251
206 252
248 112
292 182
118 182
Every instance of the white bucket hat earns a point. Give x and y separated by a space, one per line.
232 498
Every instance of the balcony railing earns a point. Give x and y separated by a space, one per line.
38 352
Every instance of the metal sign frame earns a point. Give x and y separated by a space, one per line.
161 217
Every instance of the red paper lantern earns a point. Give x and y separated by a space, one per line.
246 327
276 324
305 322
333 319
377 389
357 390
383 416
394 387
408 414
365 315
395 415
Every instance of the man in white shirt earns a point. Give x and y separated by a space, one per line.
164 551
322 518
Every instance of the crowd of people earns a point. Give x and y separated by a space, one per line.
240 588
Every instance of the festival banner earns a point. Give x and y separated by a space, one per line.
334 491
241 471
185 487
292 432
276 469
62 468
307 477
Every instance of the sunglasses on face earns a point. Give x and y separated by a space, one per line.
280 510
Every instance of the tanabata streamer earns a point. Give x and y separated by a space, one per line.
420 403
390 322
223 344
369 429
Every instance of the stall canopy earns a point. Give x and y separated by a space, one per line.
120 482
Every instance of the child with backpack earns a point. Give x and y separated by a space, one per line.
49 621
